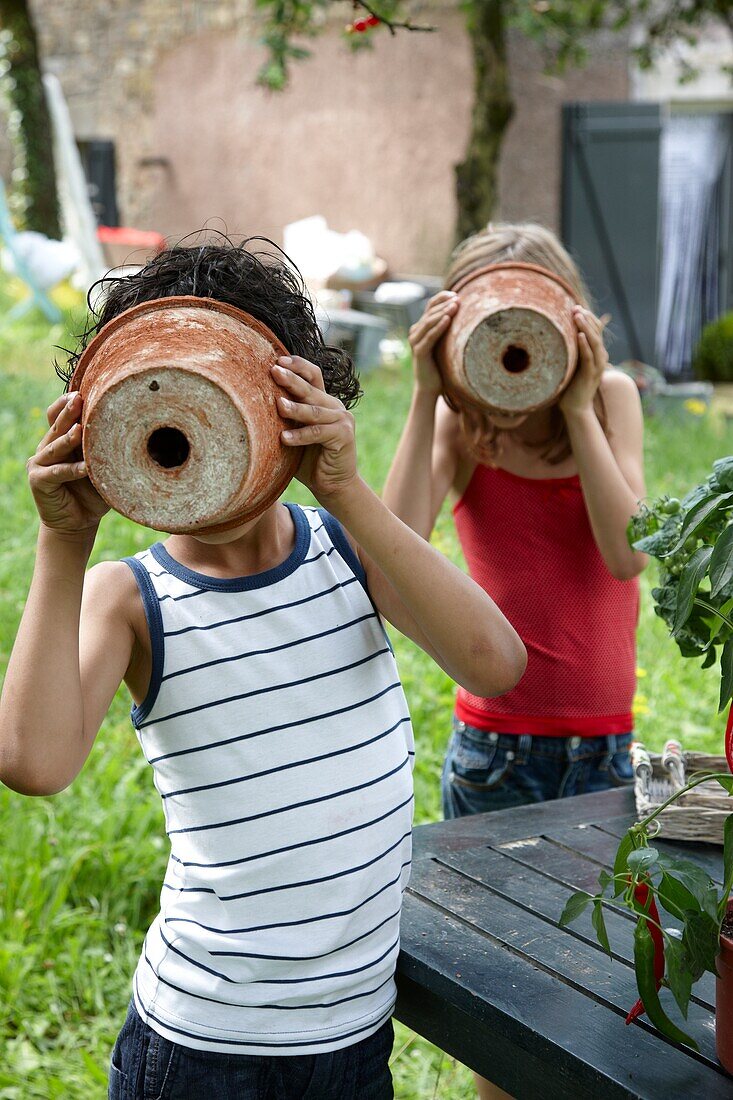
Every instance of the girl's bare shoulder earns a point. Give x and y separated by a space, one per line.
448 433
447 421
616 385
620 396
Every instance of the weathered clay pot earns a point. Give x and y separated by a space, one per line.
180 427
512 346
724 1001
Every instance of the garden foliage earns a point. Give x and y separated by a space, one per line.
714 355
692 540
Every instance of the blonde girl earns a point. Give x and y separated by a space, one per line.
541 504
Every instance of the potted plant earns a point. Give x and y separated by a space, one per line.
692 540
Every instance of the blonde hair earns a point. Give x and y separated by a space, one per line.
526 242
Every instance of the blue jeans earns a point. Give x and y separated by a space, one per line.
493 771
145 1066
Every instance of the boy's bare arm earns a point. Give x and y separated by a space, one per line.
430 600
417 589
70 656
74 642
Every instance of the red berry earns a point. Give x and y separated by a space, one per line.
373 21
360 25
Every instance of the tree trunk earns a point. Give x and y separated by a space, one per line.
34 152
477 175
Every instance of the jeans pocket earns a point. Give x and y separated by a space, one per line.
122 1059
620 771
476 761
160 1065
117 1088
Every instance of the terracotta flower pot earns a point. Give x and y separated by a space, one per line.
724 997
512 346
180 428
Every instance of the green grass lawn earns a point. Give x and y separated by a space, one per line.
80 873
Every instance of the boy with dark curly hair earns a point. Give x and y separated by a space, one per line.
268 703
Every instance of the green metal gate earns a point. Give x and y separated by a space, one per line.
610 214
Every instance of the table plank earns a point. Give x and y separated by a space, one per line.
522 821
480 1044
525 886
579 963
554 862
487 974
526 1029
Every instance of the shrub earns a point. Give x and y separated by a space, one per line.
713 359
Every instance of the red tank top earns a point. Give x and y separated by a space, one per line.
529 544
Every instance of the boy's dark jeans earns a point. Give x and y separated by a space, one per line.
493 771
145 1066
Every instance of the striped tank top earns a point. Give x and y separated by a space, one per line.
282 750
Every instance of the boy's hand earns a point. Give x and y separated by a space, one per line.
424 335
66 500
329 463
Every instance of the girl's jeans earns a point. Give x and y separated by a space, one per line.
145 1066
493 771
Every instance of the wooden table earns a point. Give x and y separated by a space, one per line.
487 975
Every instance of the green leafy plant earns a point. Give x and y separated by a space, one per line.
692 541
713 357
647 882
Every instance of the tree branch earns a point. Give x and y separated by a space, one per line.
394 25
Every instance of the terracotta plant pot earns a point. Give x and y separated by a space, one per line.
512 346
181 431
724 998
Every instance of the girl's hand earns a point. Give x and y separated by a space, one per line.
592 361
66 500
424 335
329 463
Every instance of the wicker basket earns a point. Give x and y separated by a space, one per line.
697 816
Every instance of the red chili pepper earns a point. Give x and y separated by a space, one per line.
642 897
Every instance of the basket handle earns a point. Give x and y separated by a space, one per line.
674 761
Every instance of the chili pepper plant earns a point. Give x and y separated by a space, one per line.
692 541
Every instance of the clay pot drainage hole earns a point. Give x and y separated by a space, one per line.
168 447
515 359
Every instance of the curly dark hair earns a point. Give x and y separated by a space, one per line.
262 281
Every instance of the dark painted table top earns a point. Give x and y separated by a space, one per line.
487 974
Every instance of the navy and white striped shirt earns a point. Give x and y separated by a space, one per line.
282 749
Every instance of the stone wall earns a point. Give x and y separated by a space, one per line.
368 140
105 53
